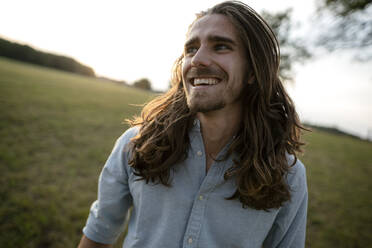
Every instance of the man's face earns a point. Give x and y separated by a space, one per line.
214 65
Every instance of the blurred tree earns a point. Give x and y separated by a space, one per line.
349 26
346 7
143 83
292 49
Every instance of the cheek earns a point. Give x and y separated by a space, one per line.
183 70
185 66
184 84
242 72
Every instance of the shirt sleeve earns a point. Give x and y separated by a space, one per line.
289 228
108 212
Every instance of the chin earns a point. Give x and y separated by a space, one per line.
206 107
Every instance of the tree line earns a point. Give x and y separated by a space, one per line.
30 55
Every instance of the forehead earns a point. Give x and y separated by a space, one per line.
213 24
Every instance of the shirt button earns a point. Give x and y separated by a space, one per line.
189 240
199 153
200 197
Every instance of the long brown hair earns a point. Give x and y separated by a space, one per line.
270 129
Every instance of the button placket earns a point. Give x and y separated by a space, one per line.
200 203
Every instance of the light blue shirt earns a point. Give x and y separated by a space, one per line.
194 211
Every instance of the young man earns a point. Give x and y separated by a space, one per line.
212 162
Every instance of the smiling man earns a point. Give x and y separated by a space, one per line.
212 162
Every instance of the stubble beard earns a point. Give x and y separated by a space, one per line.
196 104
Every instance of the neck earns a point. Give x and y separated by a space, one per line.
218 127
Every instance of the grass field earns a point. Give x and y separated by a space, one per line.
57 129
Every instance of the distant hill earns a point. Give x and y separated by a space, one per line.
333 130
28 54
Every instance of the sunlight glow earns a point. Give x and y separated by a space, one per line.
129 40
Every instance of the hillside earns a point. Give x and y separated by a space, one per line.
28 54
57 130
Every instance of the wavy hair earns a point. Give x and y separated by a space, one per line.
269 132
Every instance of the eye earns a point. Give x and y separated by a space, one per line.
221 47
191 50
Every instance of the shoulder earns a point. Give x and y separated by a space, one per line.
121 150
129 134
296 177
124 140
117 162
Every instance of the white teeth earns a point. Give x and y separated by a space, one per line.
205 81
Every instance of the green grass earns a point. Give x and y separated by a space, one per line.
57 129
339 171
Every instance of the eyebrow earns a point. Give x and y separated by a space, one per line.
212 38
217 38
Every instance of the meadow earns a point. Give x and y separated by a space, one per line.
57 129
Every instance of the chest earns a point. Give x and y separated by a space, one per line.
194 210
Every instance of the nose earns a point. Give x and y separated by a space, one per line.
201 58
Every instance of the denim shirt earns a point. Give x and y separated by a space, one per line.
193 212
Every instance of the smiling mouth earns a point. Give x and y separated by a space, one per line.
204 81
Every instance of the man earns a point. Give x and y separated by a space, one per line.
212 162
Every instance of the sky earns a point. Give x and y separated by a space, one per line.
129 40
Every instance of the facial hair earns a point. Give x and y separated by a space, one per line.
192 98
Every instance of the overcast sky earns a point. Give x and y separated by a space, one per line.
128 40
